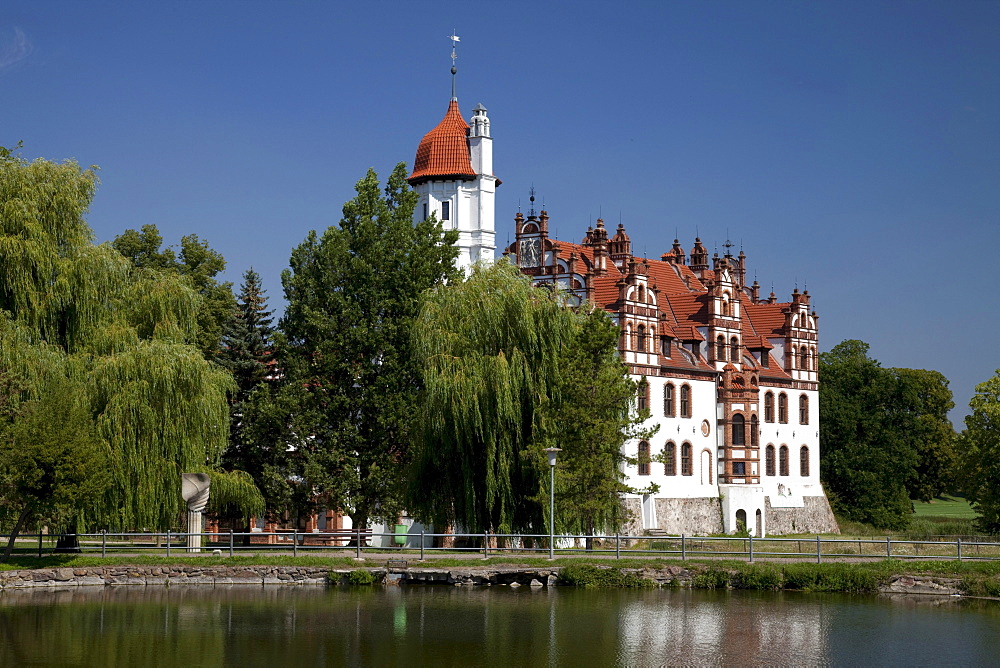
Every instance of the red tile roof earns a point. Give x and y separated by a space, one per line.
444 151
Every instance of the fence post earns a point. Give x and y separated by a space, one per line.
683 548
486 545
751 549
295 542
421 545
230 542
358 544
104 543
958 544
39 543
888 548
168 542
819 551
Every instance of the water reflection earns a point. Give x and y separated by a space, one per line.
442 626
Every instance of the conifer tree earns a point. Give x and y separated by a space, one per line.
247 352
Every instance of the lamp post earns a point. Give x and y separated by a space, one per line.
551 452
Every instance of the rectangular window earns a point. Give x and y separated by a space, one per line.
425 210
445 210
739 468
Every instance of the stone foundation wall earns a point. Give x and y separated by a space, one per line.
163 575
633 511
815 517
689 516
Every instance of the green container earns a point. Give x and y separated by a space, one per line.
400 538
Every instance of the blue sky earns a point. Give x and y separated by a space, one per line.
851 148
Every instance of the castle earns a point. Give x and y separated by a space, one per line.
730 378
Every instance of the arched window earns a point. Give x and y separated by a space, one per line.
739 430
669 406
643 458
685 401
629 343
734 349
804 461
754 430
804 358
686 459
803 409
769 407
720 349
640 343
783 460
783 408
706 466
791 356
769 459
643 398
670 458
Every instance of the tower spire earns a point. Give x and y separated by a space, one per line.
454 56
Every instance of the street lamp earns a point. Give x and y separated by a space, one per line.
551 452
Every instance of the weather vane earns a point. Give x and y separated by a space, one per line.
454 56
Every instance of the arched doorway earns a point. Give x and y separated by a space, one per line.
741 520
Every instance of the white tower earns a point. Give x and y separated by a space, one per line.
453 175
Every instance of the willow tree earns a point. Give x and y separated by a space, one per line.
353 293
591 422
124 333
490 354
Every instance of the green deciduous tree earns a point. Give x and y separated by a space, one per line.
591 422
345 354
922 412
199 265
979 448
119 333
885 435
53 461
509 370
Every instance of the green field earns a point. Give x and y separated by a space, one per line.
950 507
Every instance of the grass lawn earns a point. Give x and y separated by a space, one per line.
949 507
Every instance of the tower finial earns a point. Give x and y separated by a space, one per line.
454 56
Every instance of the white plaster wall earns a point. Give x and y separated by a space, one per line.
794 435
678 430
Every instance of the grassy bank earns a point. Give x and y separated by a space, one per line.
976 578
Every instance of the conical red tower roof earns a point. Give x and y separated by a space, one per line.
444 151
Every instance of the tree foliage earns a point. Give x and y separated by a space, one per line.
591 422
979 446
345 354
885 435
120 334
247 352
509 370
199 265
51 466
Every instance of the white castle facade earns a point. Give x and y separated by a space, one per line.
729 378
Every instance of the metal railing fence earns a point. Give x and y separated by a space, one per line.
465 545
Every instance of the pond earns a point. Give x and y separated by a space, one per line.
458 626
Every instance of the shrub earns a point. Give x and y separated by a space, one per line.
361 577
713 578
581 575
853 578
758 576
